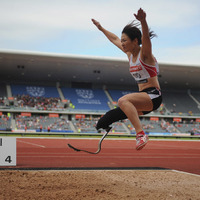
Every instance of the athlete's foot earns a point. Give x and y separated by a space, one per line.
141 141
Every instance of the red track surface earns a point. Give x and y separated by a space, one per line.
54 153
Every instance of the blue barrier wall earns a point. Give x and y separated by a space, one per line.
35 91
92 99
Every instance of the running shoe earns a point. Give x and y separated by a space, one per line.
141 141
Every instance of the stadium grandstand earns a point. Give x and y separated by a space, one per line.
43 92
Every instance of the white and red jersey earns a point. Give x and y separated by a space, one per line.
141 71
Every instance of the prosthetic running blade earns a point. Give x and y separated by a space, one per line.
99 145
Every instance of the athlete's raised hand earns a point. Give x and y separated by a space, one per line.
141 15
111 36
97 24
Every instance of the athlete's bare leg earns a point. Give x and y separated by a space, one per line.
133 104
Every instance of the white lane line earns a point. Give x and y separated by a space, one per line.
185 173
107 138
165 146
103 157
131 154
31 143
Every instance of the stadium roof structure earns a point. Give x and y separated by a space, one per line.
52 67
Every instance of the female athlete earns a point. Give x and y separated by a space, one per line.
144 68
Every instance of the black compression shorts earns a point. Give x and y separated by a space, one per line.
156 97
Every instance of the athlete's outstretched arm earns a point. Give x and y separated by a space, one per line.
146 41
111 36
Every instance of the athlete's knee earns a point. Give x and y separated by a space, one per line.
105 121
102 123
122 101
110 117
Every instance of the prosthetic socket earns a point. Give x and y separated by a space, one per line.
110 117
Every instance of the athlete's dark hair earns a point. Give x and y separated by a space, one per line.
133 32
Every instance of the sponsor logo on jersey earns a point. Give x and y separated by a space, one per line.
135 68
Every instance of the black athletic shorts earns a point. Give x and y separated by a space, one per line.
156 97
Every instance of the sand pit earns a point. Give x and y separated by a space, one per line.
98 185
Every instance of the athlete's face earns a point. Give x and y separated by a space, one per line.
127 44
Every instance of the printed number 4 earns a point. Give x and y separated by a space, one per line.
8 159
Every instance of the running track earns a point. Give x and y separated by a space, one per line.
54 153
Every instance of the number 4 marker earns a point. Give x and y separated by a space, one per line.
7 151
